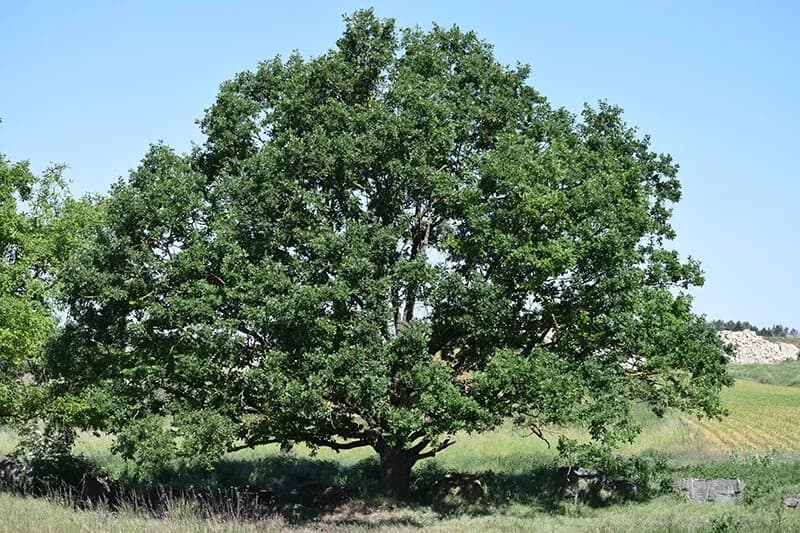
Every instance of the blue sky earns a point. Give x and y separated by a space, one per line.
91 84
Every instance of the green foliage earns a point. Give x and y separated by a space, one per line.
48 464
40 225
44 452
28 206
381 246
726 523
25 320
150 446
158 448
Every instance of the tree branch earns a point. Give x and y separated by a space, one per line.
415 435
339 446
421 232
443 446
538 432
257 336
252 445
419 446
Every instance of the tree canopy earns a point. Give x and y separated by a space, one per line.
382 246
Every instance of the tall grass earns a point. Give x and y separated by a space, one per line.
786 374
664 514
18 514
8 440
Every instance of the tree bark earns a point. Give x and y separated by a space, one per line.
395 471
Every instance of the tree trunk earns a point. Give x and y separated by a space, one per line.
395 475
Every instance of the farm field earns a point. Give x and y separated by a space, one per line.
759 442
762 418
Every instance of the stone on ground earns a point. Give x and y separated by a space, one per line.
710 490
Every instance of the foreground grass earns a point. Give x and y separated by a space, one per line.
667 513
19 514
518 466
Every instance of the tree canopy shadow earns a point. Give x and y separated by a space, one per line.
300 489
546 488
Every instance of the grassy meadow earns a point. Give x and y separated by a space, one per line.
787 374
759 442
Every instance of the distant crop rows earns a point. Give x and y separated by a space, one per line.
762 417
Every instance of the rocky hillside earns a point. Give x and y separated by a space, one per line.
749 348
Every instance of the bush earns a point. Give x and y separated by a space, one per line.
47 463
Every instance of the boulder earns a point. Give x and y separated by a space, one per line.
461 489
592 486
792 501
722 490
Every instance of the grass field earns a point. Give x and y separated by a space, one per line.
787 374
759 442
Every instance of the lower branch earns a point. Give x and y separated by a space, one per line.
251 445
339 446
430 453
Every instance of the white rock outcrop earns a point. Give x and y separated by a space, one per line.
749 348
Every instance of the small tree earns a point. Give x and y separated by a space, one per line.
382 246
38 225
25 320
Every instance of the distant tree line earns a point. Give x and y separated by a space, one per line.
778 330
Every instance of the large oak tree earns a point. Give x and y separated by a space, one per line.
382 246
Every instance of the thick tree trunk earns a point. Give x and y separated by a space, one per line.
395 474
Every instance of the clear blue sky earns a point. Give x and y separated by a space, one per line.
716 84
